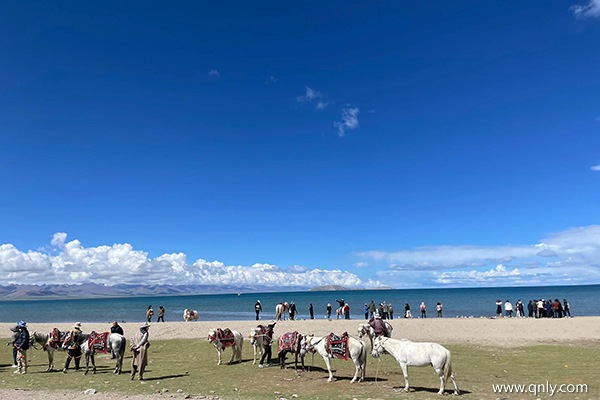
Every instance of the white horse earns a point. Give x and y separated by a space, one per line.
356 350
190 315
418 354
280 310
366 329
117 347
223 339
49 344
257 342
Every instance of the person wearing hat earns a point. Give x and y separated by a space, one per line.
268 341
378 326
257 309
22 345
292 311
74 338
139 346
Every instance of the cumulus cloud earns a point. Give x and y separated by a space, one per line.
349 120
568 257
74 263
595 168
589 10
213 73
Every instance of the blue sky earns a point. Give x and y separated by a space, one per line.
410 144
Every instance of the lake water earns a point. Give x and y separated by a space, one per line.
475 302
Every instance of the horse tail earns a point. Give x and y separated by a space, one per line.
447 366
122 349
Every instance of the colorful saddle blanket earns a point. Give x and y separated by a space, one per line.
98 341
226 337
289 341
263 331
337 346
57 338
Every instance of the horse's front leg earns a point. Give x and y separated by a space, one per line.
50 359
404 367
218 356
87 364
255 348
328 363
358 369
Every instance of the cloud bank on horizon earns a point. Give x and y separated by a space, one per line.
568 257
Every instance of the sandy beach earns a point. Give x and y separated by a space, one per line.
510 332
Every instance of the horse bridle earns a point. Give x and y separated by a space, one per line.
378 345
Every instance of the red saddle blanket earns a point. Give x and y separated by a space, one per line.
226 337
337 346
289 341
98 341
57 338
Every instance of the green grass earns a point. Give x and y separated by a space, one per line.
190 366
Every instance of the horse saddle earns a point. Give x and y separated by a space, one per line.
98 341
289 341
337 346
56 338
226 337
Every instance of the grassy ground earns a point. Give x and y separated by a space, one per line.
189 366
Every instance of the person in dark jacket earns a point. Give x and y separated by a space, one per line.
115 328
257 309
378 326
268 341
74 347
22 345
311 311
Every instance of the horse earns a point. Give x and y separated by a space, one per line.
190 315
366 329
418 354
225 338
280 310
290 342
100 342
50 342
356 351
257 342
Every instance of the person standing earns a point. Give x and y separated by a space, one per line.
530 309
386 311
391 311
439 308
161 314
407 313
311 311
268 341
423 310
74 347
22 345
257 309
498 308
139 346
372 309
346 311
328 310
366 311
292 311
149 313
508 309
566 308
13 340
115 328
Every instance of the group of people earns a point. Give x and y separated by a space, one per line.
386 311
21 341
150 314
535 308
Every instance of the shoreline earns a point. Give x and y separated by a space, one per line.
503 332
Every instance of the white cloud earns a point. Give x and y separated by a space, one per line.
349 120
312 95
595 168
361 264
121 263
213 73
590 10
568 257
